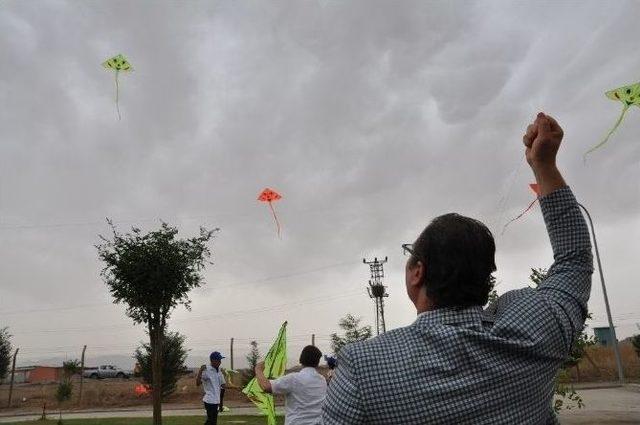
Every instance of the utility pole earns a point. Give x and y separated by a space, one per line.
13 372
377 291
231 354
313 339
84 349
612 328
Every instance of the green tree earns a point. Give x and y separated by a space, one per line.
65 387
353 332
5 352
174 356
252 360
152 274
566 395
493 294
635 341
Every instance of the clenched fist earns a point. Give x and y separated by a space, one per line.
542 141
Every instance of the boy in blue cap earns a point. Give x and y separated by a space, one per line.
213 383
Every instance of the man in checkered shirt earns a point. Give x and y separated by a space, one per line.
458 363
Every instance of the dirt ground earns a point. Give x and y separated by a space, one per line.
599 365
106 393
118 393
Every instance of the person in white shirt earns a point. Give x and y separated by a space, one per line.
213 383
304 391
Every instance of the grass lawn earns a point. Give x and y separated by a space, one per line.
169 420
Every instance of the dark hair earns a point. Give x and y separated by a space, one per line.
459 256
310 356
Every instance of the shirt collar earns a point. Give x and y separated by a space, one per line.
453 316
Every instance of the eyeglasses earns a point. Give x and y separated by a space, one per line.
407 249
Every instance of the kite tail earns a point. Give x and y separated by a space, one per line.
117 96
275 217
519 216
615 127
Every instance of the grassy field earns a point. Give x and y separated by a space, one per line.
175 420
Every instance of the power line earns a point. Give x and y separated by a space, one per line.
248 282
4 226
190 320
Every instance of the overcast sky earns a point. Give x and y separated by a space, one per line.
369 117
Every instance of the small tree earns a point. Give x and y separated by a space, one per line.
493 294
353 332
635 341
152 274
5 352
252 359
65 387
174 356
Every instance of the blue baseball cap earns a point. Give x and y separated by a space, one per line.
332 362
216 356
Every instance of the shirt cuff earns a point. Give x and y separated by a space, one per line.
557 201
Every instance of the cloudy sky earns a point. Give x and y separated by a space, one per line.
369 117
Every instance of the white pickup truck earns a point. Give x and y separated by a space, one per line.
106 371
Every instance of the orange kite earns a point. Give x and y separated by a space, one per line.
270 196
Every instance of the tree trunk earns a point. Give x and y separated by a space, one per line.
13 373
156 368
84 349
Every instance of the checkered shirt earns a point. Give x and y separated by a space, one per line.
475 366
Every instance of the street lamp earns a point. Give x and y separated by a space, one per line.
616 349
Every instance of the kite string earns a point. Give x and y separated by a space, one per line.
614 128
502 203
117 95
275 217
520 215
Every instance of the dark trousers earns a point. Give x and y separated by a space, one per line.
212 414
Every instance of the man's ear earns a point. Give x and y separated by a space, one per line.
416 274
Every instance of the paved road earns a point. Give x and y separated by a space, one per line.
602 406
606 406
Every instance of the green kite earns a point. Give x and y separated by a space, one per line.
275 364
628 95
227 375
119 64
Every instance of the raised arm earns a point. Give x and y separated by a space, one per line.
568 283
264 383
199 376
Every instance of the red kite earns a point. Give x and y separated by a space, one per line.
536 189
270 196
141 390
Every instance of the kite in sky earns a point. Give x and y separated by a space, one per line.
270 196
119 64
536 190
628 95
275 364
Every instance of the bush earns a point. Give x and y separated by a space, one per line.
174 356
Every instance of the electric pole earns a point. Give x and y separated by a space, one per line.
377 291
